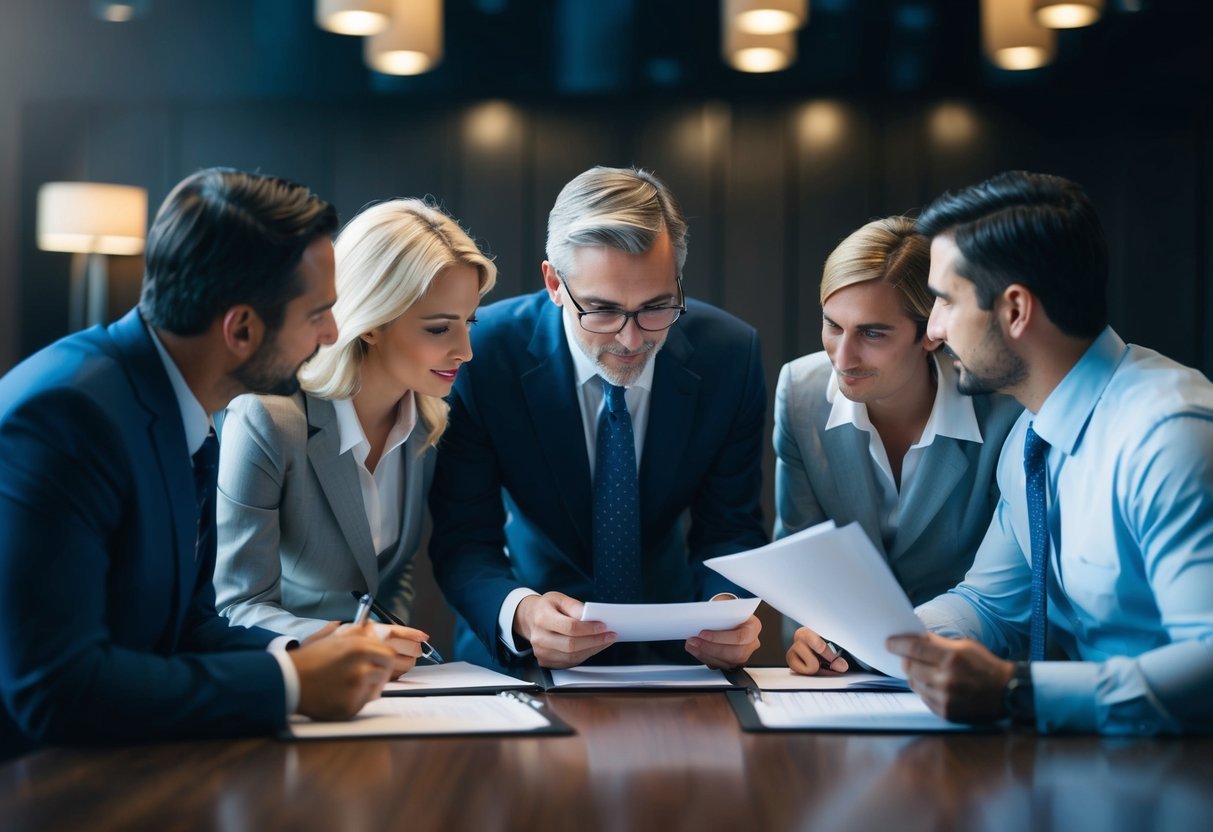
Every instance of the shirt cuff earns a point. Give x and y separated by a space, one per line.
1064 695
505 620
290 676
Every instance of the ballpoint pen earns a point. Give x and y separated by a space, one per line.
427 650
364 609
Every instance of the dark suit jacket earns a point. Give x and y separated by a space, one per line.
513 470
108 629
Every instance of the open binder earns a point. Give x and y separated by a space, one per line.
508 712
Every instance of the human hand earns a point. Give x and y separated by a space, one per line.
958 679
339 672
810 654
726 648
552 624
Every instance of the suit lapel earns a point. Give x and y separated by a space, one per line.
551 399
671 412
943 465
847 450
338 478
166 435
412 463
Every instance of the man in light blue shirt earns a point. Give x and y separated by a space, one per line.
1119 520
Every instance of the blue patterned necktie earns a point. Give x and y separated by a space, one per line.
616 532
1034 450
206 465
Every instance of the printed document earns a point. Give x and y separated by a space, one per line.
833 581
669 622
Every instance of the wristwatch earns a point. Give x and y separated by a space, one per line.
1018 700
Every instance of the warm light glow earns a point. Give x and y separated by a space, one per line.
91 217
761 59
766 22
822 124
353 17
1011 36
118 12
490 125
401 62
1021 57
766 17
1068 14
953 124
412 43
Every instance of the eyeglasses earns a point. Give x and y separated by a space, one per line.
612 321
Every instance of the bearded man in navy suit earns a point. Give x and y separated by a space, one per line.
108 629
605 442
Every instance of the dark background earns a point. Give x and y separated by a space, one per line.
889 104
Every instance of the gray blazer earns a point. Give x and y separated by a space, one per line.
828 475
294 540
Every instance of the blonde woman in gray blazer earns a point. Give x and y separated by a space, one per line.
874 429
323 492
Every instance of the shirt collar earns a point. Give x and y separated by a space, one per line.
1064 414
194 418
352 436
952 413
585 370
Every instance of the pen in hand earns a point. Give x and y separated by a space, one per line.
427 650
364 609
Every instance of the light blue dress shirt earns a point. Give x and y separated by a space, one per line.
1130 473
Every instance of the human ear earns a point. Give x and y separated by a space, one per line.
243 331
551 282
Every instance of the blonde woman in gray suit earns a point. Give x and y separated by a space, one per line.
323 492
872 429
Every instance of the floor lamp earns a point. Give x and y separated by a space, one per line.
91 220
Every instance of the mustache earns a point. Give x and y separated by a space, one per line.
647 346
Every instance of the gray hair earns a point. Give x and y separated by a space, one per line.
624 208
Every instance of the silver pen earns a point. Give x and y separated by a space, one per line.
364 609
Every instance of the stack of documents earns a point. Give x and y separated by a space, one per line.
453 678
509 712
669 622
836 710
639 677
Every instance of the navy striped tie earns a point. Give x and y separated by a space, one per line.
1034 450
616 532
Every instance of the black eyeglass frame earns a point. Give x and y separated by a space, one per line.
634 315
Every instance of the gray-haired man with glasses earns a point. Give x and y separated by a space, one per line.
605 442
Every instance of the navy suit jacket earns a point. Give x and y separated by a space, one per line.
108 629
513 471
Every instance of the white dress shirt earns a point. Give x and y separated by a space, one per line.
382 491
952 415
590 399
197 424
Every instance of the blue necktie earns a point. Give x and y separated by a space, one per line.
616 533
1034 450
206 465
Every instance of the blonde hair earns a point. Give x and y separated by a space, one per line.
387 257
890 250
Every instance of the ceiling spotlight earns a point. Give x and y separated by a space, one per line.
1068 14
767 17
1012 38
353 17
412 43
119 11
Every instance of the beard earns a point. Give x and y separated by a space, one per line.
994 367
267 373
621 376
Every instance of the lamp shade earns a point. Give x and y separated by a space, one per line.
1068 14
92 218
412 44
1012 38
747 52
767 17
353 17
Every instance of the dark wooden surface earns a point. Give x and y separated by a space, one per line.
660 762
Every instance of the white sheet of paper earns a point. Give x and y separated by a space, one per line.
640 676
427 715
669 622
833 581
781 678
850 711
453 675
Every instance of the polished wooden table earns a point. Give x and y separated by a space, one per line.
663 762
